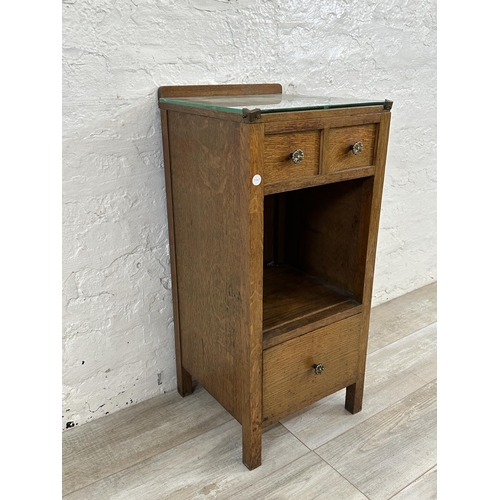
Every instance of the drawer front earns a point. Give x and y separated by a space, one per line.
339 152
289 379
278 165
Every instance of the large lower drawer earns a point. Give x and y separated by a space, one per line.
289 380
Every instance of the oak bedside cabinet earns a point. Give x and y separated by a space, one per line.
273 205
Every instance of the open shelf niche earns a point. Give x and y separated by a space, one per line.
314 259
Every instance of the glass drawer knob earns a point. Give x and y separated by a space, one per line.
318 368
297 156
357 147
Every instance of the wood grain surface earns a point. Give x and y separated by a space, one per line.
366 253
291 294
184 380
329 114
309 477
278 166
289 380
334 118
383 454
218 90
309 323
119 441
393 372
323 231
402 316
251 148
318 180
338 153
208 466
423 488
209 181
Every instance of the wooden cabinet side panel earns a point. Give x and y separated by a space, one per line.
184 381
354 394
376 203
252 150
211 215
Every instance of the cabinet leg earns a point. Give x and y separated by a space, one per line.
252 446
354 397
184 382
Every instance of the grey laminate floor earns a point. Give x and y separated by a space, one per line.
170 447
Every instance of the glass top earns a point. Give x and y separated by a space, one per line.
270 103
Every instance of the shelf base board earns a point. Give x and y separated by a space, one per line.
296 303
306 324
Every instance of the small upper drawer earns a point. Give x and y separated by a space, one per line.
290 378
279 166
350 147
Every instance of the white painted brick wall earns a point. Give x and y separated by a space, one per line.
118 342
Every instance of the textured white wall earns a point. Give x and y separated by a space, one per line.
118 345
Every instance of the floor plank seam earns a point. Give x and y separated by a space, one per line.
402 338
341 475
371 416
296 437
425 381
148 458
234 494
411 482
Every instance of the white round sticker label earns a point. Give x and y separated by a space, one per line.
256 180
